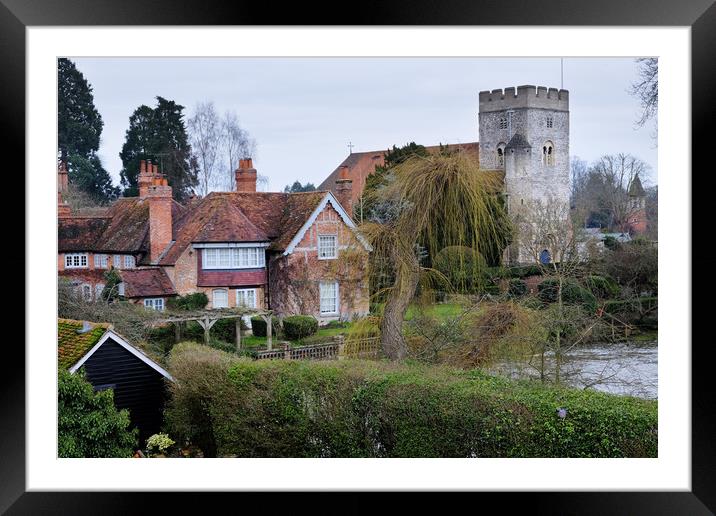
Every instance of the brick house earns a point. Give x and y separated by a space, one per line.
293 253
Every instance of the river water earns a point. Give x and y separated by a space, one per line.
628 369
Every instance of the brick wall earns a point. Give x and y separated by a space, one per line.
294 279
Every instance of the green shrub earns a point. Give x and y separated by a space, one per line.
572 293
337 324
88 424
195 301
602 287
222 345
517 287
258 326
296 327
353 408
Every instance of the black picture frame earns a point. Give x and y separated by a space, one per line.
700 15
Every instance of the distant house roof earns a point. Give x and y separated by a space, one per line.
75 345
362 164
152 282
597 233
121 228
635 188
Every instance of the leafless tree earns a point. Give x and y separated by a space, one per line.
646 88
616 172
237 144
206 138
548 237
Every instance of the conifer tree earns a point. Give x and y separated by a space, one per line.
159 134
79 127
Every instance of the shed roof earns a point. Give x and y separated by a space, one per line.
72 345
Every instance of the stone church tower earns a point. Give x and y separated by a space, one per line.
525 132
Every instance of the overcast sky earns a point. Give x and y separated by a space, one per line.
303 112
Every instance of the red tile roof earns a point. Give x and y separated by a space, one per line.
362 164
243 217
152 282
123 228
272 217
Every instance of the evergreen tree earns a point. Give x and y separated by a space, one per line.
79 126
159 134
298 187
90 176
79 123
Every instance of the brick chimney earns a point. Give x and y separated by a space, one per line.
146 174
344 190
246 176
159 196
63 209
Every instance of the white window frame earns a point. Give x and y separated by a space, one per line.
76 260
336 304
223 258
243 292
213 297
154 303
334 247
98 288
101 261
129 262
117 261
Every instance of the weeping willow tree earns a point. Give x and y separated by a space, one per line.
438 201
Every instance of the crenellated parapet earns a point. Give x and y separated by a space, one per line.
526 96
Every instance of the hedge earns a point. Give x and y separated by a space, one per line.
353 408
258 326
297 327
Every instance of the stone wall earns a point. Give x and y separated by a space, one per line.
528 178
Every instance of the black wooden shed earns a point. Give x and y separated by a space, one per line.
111 362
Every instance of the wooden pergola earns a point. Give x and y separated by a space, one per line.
207 319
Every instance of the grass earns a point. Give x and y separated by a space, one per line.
251 342
439 310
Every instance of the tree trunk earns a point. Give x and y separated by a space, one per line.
391 325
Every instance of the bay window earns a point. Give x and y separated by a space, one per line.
233 257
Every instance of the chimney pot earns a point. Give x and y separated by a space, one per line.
142 166
245 176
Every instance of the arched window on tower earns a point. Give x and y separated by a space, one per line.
500 155
548 153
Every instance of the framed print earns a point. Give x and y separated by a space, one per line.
239 232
